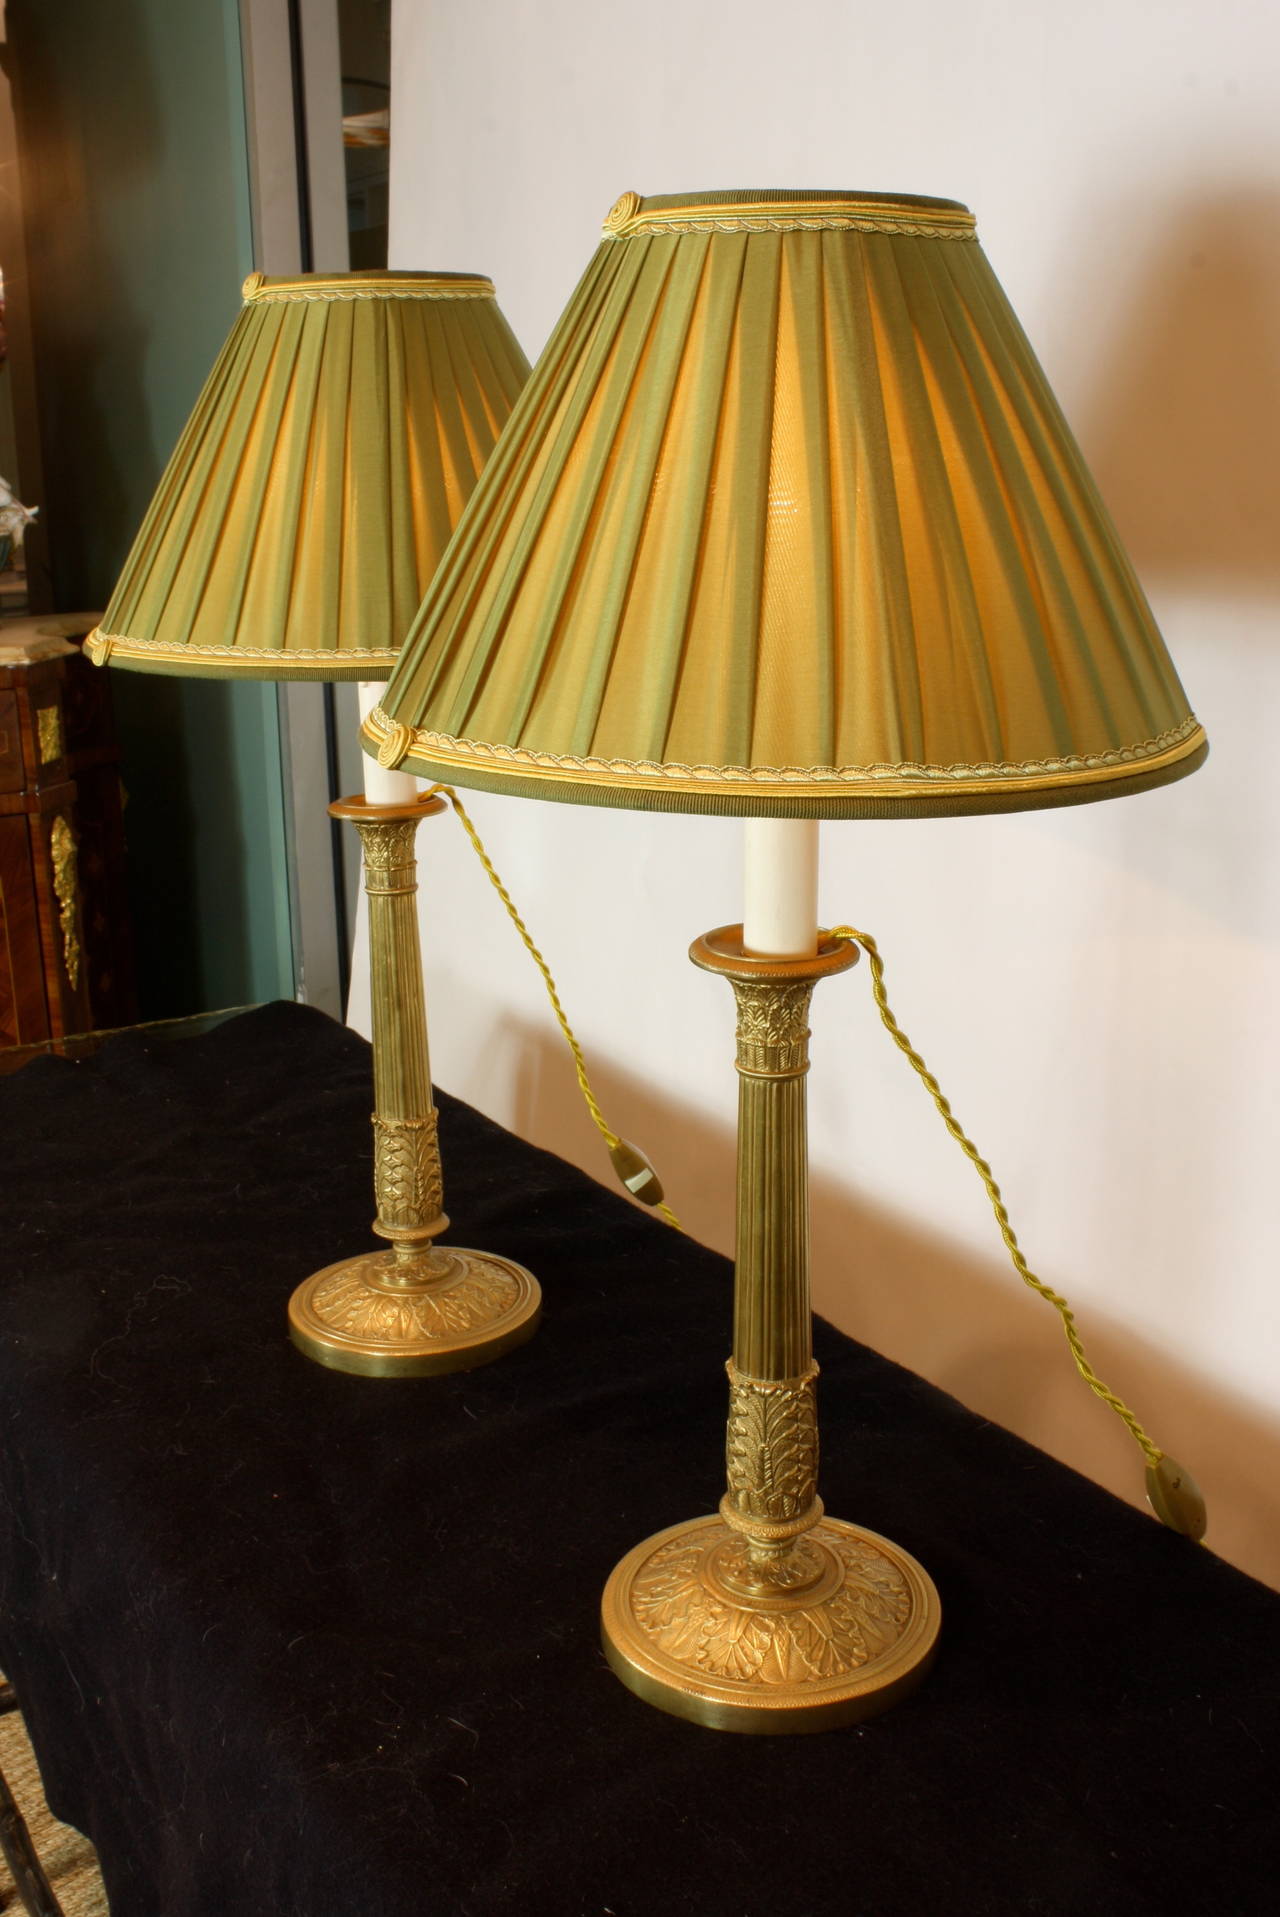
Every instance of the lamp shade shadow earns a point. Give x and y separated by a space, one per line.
1182 424
963 1321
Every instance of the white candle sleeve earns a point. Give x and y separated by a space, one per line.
780 913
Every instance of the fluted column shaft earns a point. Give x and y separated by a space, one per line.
772 1336
771 1448
408 1182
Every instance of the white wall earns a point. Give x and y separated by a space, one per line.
1096 988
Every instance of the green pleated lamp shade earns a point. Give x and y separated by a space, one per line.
788 522
318 480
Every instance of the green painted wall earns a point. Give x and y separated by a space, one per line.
130 119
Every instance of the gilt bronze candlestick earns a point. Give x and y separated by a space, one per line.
417 1308
771 1616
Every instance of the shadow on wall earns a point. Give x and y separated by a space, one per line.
965 1322
1183 426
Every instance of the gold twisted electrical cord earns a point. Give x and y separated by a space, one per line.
1174 1495
632 1167
1173 1492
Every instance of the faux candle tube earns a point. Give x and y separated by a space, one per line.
780 914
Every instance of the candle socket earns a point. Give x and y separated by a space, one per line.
417 1308
771 1616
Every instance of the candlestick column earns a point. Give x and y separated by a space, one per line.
771 1616
417 1308
771 1446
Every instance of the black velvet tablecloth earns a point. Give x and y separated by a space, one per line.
296 1644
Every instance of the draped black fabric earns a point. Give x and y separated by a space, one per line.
295 1644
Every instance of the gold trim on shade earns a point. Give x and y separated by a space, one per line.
318 480
782 212
787 520
240 662
829 792
371 284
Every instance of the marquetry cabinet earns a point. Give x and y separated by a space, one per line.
65 945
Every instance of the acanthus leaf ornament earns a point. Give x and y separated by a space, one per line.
49 731
62 846
771 1446
858 1613
407 1179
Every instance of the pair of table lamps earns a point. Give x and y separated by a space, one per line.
784 524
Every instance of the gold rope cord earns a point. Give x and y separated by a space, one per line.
1172 1491
1150 1449
619 1151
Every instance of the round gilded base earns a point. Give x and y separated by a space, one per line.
468 1308
854 1630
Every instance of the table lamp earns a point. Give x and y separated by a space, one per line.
786 524
292 535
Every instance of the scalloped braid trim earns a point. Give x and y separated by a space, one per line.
473 752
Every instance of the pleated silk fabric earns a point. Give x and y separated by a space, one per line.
318 479
788 521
